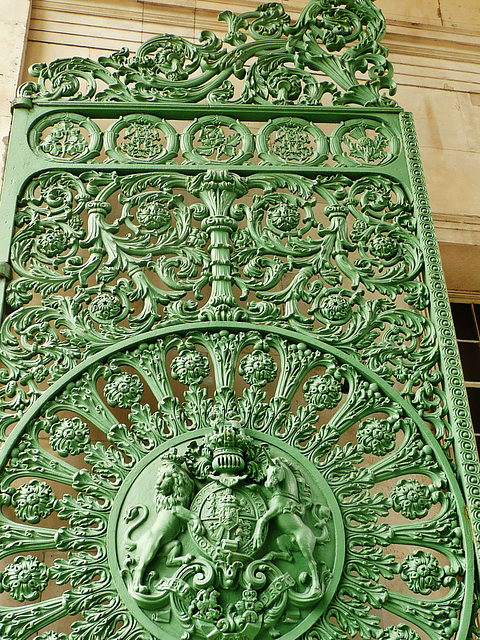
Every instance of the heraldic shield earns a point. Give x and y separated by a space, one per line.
239 507
226 531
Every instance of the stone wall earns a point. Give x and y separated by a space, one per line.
14 20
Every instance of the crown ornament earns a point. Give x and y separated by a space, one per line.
229 443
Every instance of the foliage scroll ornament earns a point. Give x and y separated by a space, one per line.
339 39
156 250
145 249
52 237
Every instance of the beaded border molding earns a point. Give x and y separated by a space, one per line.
463 441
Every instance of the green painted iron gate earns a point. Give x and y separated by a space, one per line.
232 401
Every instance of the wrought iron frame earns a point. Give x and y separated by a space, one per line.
166 81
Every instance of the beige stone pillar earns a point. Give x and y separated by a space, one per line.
14 19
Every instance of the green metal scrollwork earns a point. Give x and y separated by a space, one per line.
214 143
230 400
178 503
216 140
66 140
142 139
292 142
340 40
352 144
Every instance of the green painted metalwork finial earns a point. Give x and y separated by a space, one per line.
277 62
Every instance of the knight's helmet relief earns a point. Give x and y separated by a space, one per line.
231 399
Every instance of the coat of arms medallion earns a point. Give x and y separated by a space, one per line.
226 535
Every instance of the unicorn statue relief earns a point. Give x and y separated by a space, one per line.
289 499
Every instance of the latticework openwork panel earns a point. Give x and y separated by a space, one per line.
231 397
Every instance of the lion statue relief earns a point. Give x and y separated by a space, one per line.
173 493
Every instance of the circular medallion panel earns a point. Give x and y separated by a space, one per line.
65 137
364 142
229 482
291 140
216 139
141 138
226 534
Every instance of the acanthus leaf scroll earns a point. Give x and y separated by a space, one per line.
278 61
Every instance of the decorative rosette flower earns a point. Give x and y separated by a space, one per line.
39 372
52 243
25 578
33 501
69 436
52 635
105 307
400 632
422 572
153 215
324 392
401 373
376 436
334 307
123 390
411 499
212 135
197 238
284 216
358 229
383 247
258 368
190 367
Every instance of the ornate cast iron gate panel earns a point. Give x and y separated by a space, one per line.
231 397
